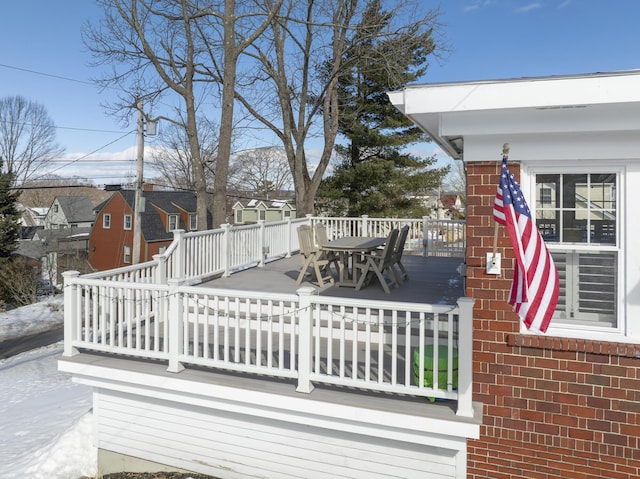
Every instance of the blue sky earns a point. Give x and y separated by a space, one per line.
488 39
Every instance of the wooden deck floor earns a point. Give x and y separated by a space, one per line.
432 280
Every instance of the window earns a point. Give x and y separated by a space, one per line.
173 222
238 216
193 222
287 213
127 222
106 221
577 215
127 254
263 215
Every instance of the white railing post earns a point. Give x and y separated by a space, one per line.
305 340
365 226
289 234
261 240
425 236
465 357
70 312
160 276
180 254
176 331
226 249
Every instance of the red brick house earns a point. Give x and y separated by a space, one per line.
565 404
111 239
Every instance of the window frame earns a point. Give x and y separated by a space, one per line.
106 221
619 332
175 219
193 221
130 225
126 253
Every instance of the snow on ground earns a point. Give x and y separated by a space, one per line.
45 419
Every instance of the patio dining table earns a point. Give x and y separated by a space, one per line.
349 249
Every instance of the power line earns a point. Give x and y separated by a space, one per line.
46 74
88 154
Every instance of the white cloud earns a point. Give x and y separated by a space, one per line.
530 7
102 167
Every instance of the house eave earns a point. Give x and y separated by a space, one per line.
572 104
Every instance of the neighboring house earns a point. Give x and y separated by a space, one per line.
452 205
69 212
65 249
443 205
111 240
250 211
32 216
564 404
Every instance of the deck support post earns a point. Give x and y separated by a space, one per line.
176 327
71 312
305 346
465 357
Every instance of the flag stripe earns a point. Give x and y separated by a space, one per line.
535 287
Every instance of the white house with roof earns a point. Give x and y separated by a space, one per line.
249 211
70 212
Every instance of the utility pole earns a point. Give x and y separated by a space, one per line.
137 221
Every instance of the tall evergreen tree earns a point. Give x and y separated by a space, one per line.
375 174
9 216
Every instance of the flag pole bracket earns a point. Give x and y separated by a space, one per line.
493 263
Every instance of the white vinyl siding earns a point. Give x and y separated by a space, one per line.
214 441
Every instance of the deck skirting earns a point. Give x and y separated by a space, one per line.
237 426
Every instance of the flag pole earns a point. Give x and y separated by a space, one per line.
505 154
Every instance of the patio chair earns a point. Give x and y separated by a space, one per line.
396 260
377 263
312 258
322 239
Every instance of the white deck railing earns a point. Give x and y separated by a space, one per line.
382 346
153 310
197 255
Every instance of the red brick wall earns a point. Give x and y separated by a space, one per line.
553 407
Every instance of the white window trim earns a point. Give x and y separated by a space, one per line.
124 254
125 222
193 222
106 221
528 174
177 222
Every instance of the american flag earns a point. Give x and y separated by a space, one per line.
535 287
